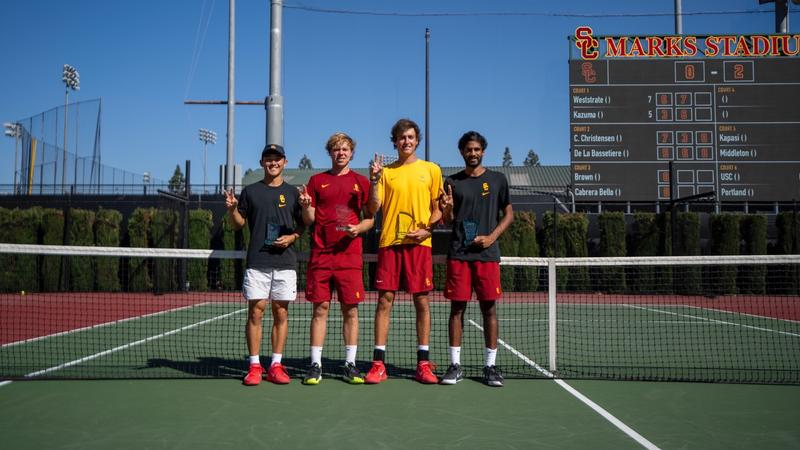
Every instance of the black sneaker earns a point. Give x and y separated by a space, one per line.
314 375
351 373
492 376
453 375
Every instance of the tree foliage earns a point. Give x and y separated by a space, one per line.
177 183
507 162
532 160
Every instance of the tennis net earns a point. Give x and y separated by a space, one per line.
97 312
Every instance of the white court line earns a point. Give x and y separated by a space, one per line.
575 393
129 345
768 330
3 383
99 325
742 314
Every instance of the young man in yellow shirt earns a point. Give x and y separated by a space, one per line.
407 192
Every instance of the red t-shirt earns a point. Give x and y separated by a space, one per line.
338 202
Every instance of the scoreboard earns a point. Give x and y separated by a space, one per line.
727 125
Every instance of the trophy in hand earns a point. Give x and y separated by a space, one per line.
273 232
470 228
405 223
343 218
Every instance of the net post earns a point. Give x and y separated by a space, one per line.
551 313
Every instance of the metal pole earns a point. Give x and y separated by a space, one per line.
17 129
781 17
678 17
427 93
231 100
673 212
274 103
205 158
77 129
555 229
64 160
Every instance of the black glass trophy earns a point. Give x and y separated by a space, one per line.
272 233
470 231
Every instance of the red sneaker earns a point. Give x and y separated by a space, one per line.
425 373
254 374
277 374
376 374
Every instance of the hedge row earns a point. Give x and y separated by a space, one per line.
146 228
108 234
200 225
645 235
18 272
788 242
731 234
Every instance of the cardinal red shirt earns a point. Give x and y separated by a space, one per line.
338 202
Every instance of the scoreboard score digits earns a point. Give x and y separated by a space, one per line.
731 125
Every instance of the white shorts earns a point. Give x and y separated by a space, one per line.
272 284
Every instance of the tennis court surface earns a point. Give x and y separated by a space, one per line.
576 336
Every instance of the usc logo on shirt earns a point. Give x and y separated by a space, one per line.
282 199
485 189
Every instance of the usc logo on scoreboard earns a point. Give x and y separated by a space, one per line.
586 43
685 46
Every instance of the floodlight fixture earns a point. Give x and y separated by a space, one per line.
207 136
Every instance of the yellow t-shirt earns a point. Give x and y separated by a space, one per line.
405 192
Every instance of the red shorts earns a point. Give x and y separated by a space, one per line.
464 276
329 271
410 262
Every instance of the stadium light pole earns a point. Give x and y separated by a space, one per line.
781 14
72 81
427 93
14 130
145 181
231 101
206 136
274 102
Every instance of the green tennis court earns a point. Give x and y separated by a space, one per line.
397 414
163 369
526 413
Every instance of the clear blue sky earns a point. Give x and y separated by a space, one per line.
503 75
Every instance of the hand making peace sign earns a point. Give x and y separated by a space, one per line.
230 200
446 198
305 197
375 168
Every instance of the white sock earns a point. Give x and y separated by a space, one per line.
276 358
491 356
350 353
316 355
380 347
423 347
455 355
254 359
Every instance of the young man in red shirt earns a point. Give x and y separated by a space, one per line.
334 202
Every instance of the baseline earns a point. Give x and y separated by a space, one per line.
722 322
